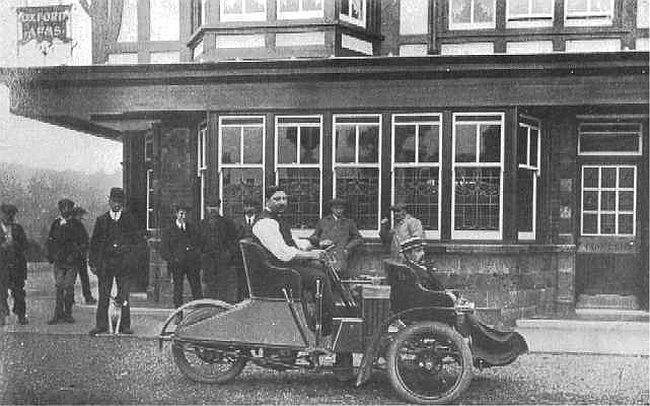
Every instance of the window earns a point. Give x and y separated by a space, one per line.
203 12
529 47
354 12
297 9
413 17
298 150
357 146
416 167
130 58
608 200
240 41
129 23
477 173
151 213
202 164
243 10
241 161
164 20
642 14
588 12
529 13
413 50
148 146
609 139
528 157
471 14
469 48
593 45
164 57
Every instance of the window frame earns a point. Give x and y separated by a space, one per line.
639 133
202 164
298 232
301 14
355 21
241 165
531 124
477 234
151 212
243 16
429 234
471 25
642 21
616 212
529 20
367 233
588 18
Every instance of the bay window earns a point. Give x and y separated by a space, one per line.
477 174
529 13
298 152
241 161
242 10
297 9
416 174
357 146
588 12
471 14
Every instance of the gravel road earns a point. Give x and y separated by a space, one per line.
76 369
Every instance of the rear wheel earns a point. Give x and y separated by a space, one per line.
208 365
429 363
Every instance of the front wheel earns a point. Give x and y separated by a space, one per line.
429 363
208 365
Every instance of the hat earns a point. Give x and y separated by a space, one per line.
271 190
337 202
117 193
410 243
8 209
65 203
181 206
398 207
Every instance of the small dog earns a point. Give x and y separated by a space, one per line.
115 314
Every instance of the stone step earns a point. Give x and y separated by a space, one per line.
585 336
607 301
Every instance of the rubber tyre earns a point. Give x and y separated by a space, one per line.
441 333
231 371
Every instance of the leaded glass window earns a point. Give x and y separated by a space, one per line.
241 161
416 167
298 164
528 156
356 167
477 175
608 200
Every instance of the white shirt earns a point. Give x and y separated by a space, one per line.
180 225
115 215
267 231
250 219
6 229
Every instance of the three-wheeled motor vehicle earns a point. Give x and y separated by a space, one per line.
427 341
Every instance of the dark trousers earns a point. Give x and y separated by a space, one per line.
85 281
64 278
17 288
310 272
105 284
178 271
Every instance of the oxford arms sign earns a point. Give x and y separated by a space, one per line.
44 24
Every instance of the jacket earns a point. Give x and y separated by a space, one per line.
115 252
67 243
219 238
13 263
180 246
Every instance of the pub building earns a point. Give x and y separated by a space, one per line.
516 131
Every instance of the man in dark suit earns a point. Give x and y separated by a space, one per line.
13 264
181 247
114 239
244 226
218 243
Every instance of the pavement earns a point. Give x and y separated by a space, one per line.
612 336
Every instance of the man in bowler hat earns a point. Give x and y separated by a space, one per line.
13 264
114 238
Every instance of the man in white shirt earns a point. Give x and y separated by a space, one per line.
274 234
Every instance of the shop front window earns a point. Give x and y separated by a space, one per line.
471 14
477 167
608 200
241 162
416 167
356 167
298 163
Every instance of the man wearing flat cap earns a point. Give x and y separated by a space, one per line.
405 227
67 245
180 246
339 234
13 264
111 258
